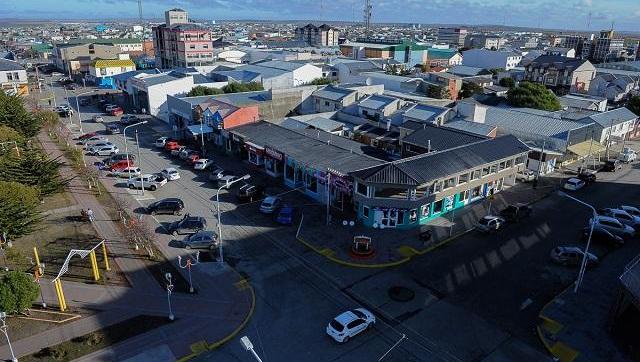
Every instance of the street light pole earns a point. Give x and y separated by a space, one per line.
78 107
139 164
583 266
3 317
167 276
126 150
248 346
188 266
245 177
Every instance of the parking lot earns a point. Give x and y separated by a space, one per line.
477 297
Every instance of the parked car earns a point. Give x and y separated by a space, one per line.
93 139
116 112
119 164
216 174
185 153
627 155
490 223
349 324
573 184
91 146
109 107
515 212
176 152
171 145
170 173
193 158
173 206
203 164
104 150
128 119
187 225
70 86
285 215
160 142
270 204
150 182
613 226
631 210
203 239
588 177
84 102
110 161
612 165
602 236
131 171
86 136
525 175
226 181
571 255
113 128
622 216
248 193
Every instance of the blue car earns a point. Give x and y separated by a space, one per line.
113 128
285 216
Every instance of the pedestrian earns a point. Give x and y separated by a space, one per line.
90 214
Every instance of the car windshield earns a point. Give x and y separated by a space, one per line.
484 221
359 314
336 325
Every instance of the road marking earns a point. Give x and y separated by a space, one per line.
527 302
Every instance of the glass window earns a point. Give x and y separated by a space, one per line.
365 211
437 186
413 215
362 189
400 217
463 178
475 175
463 196
9 76
494 168
509 164
425 210
289 172
476 192
449 183
485 171
502 166
437 206
312 183
520 160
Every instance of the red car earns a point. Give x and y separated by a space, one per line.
87 136
171 145
193 158
120 165
117 111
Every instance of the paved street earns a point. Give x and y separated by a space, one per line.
476 298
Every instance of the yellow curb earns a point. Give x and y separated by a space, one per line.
558 349
197 348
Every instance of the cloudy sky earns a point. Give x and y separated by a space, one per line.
565 14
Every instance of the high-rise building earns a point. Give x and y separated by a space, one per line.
318 36
180 43
606 47
453 36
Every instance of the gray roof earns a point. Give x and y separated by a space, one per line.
440 138
282 65
333 93
242 76
465 70
376 101
7 65
578 101
425 112
613 117
558 62
324 124
471 127
266 72
316 153
159 79
425 168
513 120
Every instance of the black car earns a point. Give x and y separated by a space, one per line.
70 86
612 165
603 236
187 225
84 102
515 212
587 177
166 206
249 193
113 128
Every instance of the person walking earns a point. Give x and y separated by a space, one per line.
90 215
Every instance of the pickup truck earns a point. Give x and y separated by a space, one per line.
515 212
150 182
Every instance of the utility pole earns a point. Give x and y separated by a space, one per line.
367 16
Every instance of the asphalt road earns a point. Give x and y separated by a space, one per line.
476 298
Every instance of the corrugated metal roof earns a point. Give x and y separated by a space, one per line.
7 65
376 101
440 138
471 127
613 117
333 93
512 119
114 63
425 112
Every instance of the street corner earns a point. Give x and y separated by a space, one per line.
550 331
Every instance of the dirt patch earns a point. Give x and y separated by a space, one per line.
20 327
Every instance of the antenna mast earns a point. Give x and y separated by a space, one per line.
367 16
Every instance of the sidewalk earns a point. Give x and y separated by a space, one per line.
394 247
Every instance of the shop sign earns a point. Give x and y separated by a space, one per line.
276 155
341 183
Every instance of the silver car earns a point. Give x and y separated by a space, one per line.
622 216
203 239
613 226
571 255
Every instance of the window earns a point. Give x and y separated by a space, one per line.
9 76
364 112
449 183
326 103
494 168
520 160
476 192
437 206
509 164
413 215
400 217
192 46
463 178
312 183
502 166
289 172
475 175
437 186
425 210
463 196
206 46
362 189
123 69
485 171
365 211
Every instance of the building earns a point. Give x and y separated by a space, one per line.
421 113
103 70
484 41
606 47
404 52
562 52
410 192
126 45
78 58
333 98
453 36
612 125
444 58
490 59
179 43
425 138
562 75
395 83
272 74
581 44
451 84
13 78
577 101
318 36
614 87
378 107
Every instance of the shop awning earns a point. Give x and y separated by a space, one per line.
197 129
582 149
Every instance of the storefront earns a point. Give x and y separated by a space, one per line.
255 153
273 161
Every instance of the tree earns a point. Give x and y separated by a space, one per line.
436 91
48 119
19 213
32 168
201 90
8 134
242 87
469 88
17 292
320 81
634 105
507 82
495 71
15 115
532 95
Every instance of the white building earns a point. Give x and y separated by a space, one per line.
302 73
490 59
13 78
106 68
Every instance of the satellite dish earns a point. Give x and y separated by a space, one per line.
368 81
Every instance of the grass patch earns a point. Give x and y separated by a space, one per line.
88 343
20 328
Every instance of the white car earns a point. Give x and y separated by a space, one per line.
98 144
490 223
270 204
525 175
98 119
105 151
349 324
94 139
170 174
573 184
627 155
125 172
160 142
150 182
203 163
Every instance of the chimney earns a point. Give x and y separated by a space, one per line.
472 111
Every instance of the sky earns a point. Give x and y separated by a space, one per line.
557 14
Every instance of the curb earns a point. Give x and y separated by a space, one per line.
557 349
407 251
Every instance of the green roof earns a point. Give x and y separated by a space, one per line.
433 53
42 48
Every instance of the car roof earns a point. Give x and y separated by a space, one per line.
606 218
569 248
170 169
574 179
205 232
346 317
271 199
628 207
